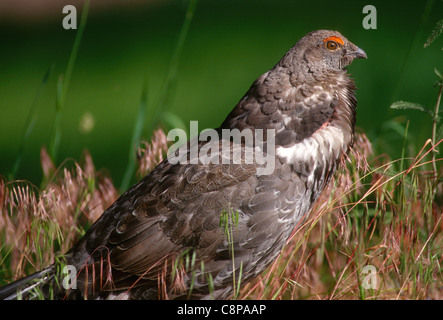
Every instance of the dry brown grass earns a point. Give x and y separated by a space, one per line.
389 217
38 224
379 217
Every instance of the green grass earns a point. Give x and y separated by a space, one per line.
228 224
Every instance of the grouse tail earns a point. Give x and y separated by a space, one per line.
30 287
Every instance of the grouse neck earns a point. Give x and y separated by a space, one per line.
323 149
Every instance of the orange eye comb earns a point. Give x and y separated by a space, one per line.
334 38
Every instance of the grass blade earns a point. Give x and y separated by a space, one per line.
63 85
136 136
165 96
411 106
29 124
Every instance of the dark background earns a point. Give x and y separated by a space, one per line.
127 44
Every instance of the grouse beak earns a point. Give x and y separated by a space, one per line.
358 53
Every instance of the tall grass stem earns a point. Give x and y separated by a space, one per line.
63 86
164 99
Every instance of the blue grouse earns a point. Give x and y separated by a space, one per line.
189 228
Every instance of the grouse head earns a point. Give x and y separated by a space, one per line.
322 50
307 89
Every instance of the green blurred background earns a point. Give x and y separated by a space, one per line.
129 44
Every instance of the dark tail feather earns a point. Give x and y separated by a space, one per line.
29 287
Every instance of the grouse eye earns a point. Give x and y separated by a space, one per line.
331 45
